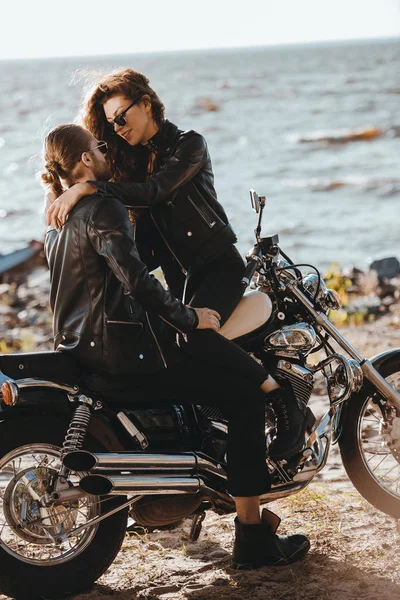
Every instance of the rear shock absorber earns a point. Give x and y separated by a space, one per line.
78 426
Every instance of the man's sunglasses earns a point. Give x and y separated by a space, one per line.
102 146
120 119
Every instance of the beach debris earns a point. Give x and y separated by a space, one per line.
207 104
20 262
366 295
386 268
343 136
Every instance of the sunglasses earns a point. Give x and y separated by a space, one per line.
102 146
120 119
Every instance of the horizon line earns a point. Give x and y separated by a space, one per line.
211 48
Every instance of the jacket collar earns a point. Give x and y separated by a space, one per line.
163 141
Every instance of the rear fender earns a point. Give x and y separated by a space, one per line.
380 362
34 403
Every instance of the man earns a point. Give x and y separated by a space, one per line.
121 323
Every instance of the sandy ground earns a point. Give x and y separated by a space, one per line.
355 549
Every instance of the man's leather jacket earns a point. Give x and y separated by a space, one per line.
107 308
181 199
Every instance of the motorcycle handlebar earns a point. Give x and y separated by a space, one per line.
250 269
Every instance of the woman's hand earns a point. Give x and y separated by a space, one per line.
49 198
57 212
208 318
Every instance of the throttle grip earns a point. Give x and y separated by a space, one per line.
250 270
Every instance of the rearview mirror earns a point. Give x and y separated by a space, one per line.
256 201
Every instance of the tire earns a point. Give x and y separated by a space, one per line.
22 576
371 465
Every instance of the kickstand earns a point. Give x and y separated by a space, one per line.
197 522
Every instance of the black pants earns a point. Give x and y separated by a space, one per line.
241 401
218 285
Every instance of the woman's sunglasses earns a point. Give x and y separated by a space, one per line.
120 119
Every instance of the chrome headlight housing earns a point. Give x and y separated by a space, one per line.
326 298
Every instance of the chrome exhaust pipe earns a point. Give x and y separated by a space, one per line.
98 485
70 495
81 460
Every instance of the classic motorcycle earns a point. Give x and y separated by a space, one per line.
73 465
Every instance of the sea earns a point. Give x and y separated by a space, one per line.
315 128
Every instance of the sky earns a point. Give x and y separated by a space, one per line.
50 28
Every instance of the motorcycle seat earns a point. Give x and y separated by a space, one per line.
61 367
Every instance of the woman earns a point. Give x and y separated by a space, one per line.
165 175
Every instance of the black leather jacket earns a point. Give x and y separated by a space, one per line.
106 305
182 202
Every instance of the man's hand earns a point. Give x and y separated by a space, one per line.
57 212
208 318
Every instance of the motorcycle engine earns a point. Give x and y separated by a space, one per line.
300 378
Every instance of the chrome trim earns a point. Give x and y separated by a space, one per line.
27 383
222 427
73 493
285 340
133 430
140 484
283 491
82 460
366 366
129 460
353 376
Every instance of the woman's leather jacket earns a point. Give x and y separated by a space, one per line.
181 198
108 309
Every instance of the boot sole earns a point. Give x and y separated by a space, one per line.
300 553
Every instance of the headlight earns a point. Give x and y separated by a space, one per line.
310 285
327 299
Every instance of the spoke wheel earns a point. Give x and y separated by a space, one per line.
29 531
37 559
370 447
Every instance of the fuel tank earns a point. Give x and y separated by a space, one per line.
253 310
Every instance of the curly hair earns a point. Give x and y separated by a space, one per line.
63 147
123 160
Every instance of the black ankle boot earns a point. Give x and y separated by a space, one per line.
292 417
258 545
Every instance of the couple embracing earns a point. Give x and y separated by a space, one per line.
129 192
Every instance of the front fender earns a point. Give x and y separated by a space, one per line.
380 362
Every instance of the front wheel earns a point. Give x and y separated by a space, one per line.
370 447
36 556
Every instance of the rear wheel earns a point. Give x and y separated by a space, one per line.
38 556
370 446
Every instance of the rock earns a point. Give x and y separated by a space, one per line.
387 268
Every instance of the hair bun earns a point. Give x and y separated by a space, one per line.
53 167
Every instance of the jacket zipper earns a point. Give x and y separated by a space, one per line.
156 341
169 247
201 213
124 322
184 335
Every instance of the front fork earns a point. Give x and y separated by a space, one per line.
369 371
